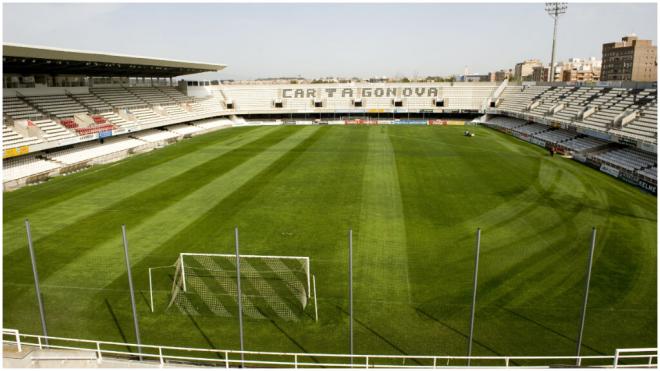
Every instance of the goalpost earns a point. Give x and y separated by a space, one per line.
270 285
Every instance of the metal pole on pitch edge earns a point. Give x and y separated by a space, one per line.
239 298
474 294
350 290
586 292
151 293
37 290
130 287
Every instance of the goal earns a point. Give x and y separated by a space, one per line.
276 287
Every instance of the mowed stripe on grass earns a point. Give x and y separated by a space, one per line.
72 210
101 264
380 256
66 243
28 199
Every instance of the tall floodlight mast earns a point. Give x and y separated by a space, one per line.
555 10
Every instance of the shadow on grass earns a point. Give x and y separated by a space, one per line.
207 339
381 337
551 330
458 332
117 324
293 340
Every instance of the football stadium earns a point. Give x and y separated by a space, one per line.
157 221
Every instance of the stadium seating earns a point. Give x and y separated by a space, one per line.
258 98
255 98
174 94
93 103
531 129
91 150
213 124
176 113
506 122
566 139
152 96
625 158
583 144
603 107
516 98
556 136
183 129
16 108
117 120
644 126
205 107
26 166
148 106
650 173
463 97
155 135
59 106
12 139
118 97
52 130
93 129
146 116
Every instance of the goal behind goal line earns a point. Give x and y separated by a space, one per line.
271 286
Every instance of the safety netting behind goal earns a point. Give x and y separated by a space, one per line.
272 287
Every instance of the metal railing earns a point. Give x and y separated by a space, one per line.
170 354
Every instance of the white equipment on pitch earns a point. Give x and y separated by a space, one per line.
277 286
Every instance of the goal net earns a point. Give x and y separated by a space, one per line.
271 286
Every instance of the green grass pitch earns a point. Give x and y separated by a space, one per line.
413 196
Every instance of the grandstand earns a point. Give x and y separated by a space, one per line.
155 135
27 166
626 159
556 136
59 106
608 112
530 129
583 144
331 98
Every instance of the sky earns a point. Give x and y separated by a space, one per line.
324 39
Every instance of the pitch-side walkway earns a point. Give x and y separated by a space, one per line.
33 357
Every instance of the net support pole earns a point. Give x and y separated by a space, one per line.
316 305
132 292
37 290
151 292
586 292
183 272
350 290
474 294
239 298
307 269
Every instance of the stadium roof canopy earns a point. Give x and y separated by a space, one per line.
27 59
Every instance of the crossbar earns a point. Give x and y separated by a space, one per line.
305 258
247 256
